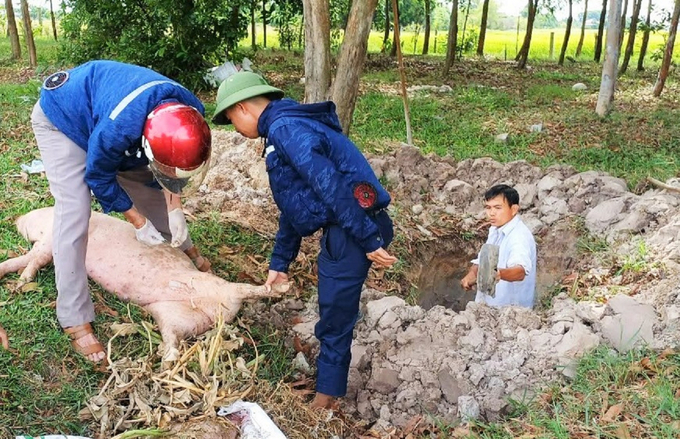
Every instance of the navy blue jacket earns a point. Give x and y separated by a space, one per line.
313 170
102 108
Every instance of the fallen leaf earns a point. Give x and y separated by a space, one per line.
622 432
30 287
647 364
612 413
666 353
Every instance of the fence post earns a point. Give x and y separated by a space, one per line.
552 45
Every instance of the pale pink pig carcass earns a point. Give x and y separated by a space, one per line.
184 301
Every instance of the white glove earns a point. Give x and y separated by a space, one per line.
148 234
178 227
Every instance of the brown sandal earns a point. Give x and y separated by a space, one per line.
80 331
202 264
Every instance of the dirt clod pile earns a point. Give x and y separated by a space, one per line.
408 360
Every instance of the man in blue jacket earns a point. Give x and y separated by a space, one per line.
319 180
117 131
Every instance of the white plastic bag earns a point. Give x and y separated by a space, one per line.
252 420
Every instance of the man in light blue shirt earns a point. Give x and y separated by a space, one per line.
516 272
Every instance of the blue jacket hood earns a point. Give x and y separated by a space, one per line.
322 112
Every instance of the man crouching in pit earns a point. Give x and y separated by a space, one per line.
516 272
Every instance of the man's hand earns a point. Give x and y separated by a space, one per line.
178 227
148 234
470 279
3 338
275 277
381 257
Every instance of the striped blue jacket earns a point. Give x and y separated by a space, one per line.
102 107
314 171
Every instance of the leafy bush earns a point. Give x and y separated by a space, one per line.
177 38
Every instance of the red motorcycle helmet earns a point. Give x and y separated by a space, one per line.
176 141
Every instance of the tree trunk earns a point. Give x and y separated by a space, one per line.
623 23
386 36
523 54
317 50
351 60
264 23
54 22
393 50
600 32
630 45
426 42
28 30
452 41
482 28
252 23
668 51
12 30
467 15
611 60
583 31
567 34
645 38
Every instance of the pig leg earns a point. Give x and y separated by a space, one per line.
29 264
177 321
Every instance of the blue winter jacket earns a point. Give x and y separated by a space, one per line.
313 170
102 107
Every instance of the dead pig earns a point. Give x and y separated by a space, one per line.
184 301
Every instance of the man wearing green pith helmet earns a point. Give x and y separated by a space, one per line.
319 180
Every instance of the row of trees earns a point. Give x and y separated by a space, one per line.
181 39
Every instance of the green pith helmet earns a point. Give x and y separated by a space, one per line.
239 87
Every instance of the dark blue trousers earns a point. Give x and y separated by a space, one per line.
343 267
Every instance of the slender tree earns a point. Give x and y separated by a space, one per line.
28 34
579 47
452 42
426 42
567 34
253 5
386 36
482 28
317 50
264 23
631 36
611 60
623 23
668 51
395 12
600 32
645 38
12 30
523 54
54 22
465 21
351 60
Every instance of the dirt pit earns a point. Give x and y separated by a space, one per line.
463 360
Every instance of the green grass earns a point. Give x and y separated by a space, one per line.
644 383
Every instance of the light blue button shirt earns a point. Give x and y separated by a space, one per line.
517 247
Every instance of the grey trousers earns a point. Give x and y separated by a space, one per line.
65 168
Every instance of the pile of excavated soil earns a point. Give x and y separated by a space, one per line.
450 358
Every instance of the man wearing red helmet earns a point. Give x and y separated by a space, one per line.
134 139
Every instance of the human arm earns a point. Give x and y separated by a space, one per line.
307 152
470 278
286 246
176 220
511 274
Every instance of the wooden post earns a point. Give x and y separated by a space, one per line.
552 45
407 113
